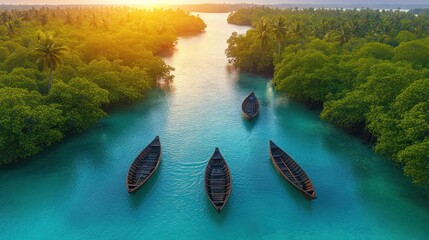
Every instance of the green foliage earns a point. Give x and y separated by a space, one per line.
421 11
80 102
21 57
416 92
20 78
26 124
416 161
307 75
345 27
347 112
368 69
405 36
101 56
49 55
376 50
124 84
279 29
415 52
248 54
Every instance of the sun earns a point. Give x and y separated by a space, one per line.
149 2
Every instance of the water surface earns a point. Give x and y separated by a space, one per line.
76 189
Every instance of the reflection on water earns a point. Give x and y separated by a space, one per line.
250 124
77 190
137 198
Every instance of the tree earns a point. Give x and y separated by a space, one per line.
350 62
93 22
262 32
308 75
49 55
415 158
298 32
405 36
26 125
106 24
376 50
119 69
280 31
415 52
68 19
11 29
44 19
19 78
81 101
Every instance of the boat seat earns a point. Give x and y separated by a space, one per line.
150 160
217 188
222 193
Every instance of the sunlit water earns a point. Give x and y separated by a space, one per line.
76 189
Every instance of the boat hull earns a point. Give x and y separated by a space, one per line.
144 166
250 106
291 171
217 181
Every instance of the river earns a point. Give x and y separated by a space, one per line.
76 189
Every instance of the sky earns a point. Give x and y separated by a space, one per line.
212 1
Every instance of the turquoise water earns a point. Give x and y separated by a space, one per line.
76 189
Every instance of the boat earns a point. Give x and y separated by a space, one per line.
250 106
144 165
291 171
217 179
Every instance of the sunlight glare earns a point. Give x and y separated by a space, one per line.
150 2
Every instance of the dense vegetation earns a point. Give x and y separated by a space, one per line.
368 69
212 7
61 68
420 11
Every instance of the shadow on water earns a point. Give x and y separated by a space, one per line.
137 198
231 70
364 164
250 124
250 82
293 193
218 218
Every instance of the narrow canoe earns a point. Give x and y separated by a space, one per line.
291 171
217 179
250 106
144 165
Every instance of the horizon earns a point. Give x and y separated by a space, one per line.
190 2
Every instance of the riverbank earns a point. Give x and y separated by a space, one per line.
369 80
58 78
77 190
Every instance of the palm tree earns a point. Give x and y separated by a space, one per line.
262 31
93 21
345 33
44 19
49 54
78 20
68 18
298 31
4 17
11 29
106 24
280 31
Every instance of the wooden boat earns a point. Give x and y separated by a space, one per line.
291 171
250 106
144 165
217 179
